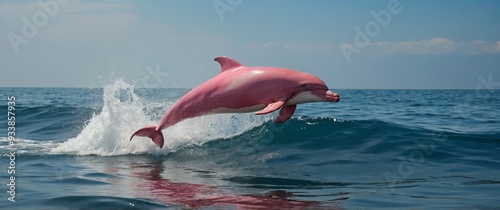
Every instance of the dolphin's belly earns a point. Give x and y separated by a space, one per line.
303 97
238 110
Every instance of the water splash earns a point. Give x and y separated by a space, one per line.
107 133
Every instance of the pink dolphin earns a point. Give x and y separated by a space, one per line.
238 89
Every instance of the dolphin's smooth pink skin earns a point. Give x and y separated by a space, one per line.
238 89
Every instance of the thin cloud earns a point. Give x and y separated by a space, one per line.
481 47
294 47
436 46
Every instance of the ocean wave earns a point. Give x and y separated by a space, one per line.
104 135
105 131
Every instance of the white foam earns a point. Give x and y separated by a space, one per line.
26 146
123 112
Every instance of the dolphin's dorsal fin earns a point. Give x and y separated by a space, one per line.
227 63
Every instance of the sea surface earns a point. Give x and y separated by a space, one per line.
400 149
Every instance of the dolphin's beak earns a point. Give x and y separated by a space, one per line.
334 97
327 95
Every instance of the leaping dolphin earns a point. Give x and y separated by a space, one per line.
238 89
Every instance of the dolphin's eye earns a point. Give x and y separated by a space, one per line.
303 85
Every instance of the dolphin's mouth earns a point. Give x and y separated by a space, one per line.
327 95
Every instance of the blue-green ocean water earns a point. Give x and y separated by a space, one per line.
400 149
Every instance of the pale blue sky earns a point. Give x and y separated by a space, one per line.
424 44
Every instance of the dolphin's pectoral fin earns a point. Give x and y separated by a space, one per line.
271 107
285 113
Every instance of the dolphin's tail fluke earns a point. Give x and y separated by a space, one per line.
152 133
